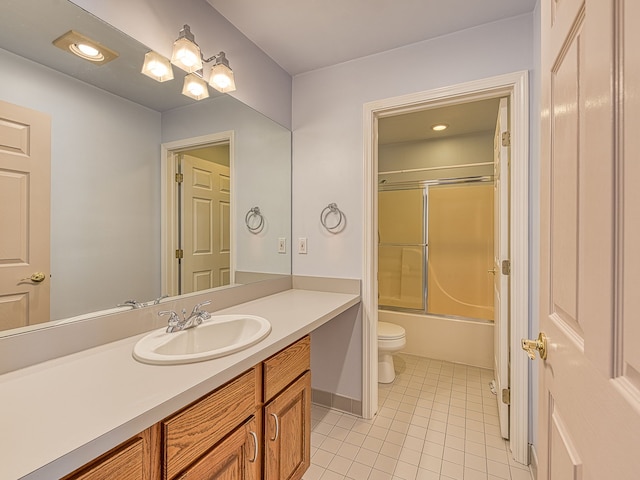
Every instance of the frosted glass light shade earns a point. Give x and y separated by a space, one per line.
186 55
195 87
222 78
157 67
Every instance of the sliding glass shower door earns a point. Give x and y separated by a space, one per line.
402 249
435 252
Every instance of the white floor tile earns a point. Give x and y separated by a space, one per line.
437 421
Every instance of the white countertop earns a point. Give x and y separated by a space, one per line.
58 415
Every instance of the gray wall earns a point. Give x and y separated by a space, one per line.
328 145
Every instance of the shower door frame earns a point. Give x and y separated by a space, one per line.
515 87
425 185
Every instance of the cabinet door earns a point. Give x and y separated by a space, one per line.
235 458
288 432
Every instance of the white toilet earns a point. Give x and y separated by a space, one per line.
391 339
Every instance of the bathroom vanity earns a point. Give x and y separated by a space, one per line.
222 433
96 411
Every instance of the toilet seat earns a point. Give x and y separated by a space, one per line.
390 331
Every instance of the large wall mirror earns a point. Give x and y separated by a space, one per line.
117 138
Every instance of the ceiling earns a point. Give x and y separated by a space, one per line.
462 119
304 35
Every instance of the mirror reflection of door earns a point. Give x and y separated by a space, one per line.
205 238
25 171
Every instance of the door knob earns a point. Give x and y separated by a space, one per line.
35 278
540 344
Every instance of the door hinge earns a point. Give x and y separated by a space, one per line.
179 253
179 178
506 267
506 396
506 139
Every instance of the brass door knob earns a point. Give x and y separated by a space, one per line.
35 278
540 344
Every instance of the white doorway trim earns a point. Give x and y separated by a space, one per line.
169 220
514 86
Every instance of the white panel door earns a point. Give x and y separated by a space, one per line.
589 404
206 215
25 170
501 253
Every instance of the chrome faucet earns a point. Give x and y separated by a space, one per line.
194 319
137 304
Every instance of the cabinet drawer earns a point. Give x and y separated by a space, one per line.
194 430
126 462
285 366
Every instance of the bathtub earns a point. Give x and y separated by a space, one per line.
466 341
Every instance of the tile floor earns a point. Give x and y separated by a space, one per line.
437 421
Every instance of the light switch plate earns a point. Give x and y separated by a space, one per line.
302 245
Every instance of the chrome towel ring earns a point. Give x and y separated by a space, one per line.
254 220
333 210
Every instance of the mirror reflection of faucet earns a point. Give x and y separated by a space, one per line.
137 304
195 318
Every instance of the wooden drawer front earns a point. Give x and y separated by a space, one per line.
196 429
124 463
285 366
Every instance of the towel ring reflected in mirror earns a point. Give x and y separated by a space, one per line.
254 220
333 225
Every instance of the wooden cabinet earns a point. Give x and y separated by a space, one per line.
191 432
287 412
288 432
257 426
237 457
135 459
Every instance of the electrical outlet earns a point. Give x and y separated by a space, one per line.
302 245
282 245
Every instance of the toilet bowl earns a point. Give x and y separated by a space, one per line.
391 339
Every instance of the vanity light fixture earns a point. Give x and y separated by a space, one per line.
85 48
157 67
439 127
195 87
188 56
186 52
221 77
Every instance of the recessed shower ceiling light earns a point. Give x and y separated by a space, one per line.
85 48
439 127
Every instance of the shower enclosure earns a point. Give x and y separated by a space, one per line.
435 252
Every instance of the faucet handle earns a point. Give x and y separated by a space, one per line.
196 309
174 320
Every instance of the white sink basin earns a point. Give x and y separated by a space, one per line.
219 336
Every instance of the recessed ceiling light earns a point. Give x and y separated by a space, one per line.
84 47
439 127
